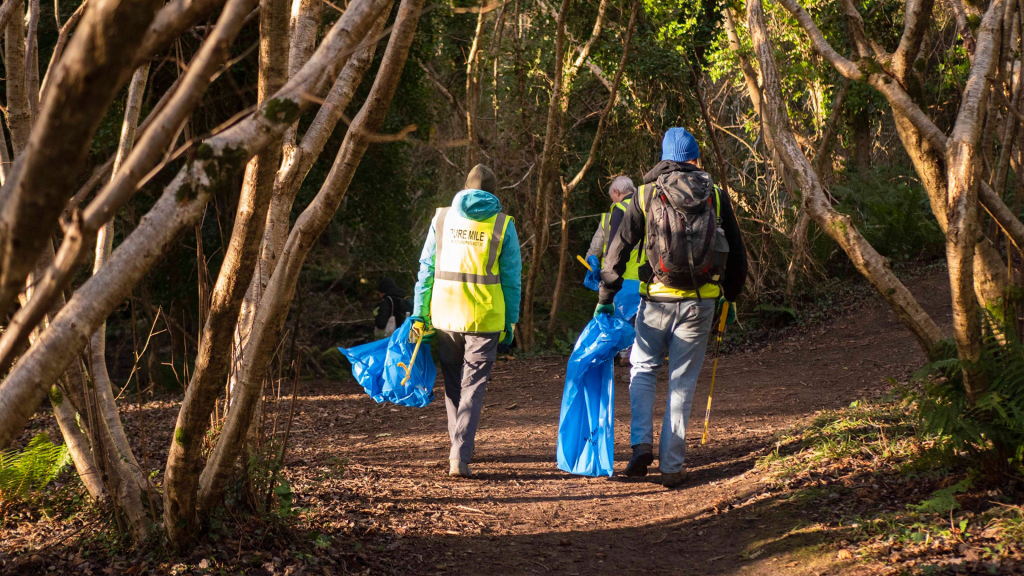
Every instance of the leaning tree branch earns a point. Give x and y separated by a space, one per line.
81 234
217 161
87 78
272 312
7 11
865 258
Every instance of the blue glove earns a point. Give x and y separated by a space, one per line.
608 309
507 335
593 278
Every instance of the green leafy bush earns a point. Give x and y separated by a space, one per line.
891 209
32 468
992 429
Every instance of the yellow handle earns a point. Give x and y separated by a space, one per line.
412 361
714 368
584 262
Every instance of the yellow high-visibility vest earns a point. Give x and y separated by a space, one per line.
467 294
710 290
636 257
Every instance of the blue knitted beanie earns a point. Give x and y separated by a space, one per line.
679 145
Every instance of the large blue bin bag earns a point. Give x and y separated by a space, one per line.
368 365
419 390
586 440
375 367
627 300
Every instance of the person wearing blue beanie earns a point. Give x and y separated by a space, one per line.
674 319
679 145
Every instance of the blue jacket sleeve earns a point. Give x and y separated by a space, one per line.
425 280
510 264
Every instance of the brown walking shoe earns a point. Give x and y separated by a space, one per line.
673 479
458 469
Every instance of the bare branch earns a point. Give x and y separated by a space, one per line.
7 11
89 76
80 236
62 40
611 102
181 204
839 226
916 18
878 79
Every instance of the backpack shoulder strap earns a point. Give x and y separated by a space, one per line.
718 204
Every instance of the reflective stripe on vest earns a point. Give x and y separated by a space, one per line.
657 289
636 257
467 294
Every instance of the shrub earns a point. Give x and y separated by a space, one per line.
891 210
992 429
32 468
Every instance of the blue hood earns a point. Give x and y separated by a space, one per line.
476 204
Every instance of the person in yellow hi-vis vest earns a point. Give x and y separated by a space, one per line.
468 291
694 256
621 191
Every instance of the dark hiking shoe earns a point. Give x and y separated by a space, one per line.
674 479
643 456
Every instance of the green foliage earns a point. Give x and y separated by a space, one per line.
776 313
32 468
943 501
891 209
992 428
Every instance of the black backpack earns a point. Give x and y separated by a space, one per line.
685 243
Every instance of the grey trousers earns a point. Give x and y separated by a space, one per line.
466 361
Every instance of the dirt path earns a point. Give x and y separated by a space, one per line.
522 515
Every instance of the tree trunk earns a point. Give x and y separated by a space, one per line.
19 116
106 403
473 73
860 124
568 189
218 160
273 310
965 167
99 61
545 178
78 446
780 137
212 362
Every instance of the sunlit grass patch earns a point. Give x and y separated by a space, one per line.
888 493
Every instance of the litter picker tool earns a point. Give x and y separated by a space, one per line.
584 262
412 360
714 367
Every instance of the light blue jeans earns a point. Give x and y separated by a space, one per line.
681 329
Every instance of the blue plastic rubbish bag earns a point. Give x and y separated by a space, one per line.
586 440
375 366
627 300
368 365
419 390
